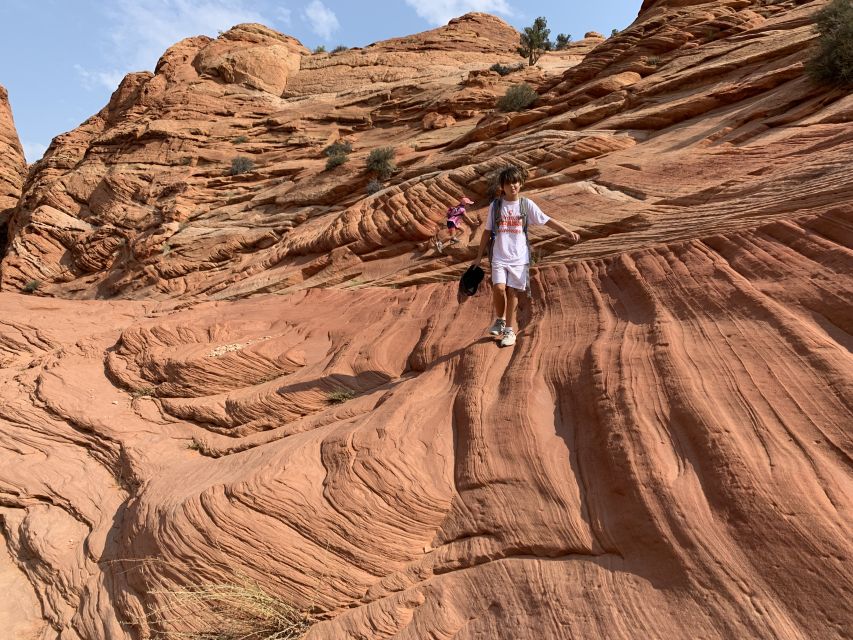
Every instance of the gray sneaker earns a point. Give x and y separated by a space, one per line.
508 338
497 328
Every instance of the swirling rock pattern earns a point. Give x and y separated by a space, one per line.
665 453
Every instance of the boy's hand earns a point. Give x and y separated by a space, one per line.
575 238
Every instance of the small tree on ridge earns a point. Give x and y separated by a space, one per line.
535 40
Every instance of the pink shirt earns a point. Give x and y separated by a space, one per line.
455 213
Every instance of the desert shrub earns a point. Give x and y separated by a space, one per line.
241 164
32 286
381 162
653 61
339 396
339 48
832 63
518 97
241 139
320 49
374 186
506 69
335 160
563 41
338 148
614 32
337 153
239 611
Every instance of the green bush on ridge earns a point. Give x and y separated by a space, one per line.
832 64
518 97
381 162
241 164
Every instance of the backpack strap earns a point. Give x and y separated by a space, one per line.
497 203
524 208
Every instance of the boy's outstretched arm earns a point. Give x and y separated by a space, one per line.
484 242
559 226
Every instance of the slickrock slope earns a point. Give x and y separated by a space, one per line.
665 453
13 166
139 200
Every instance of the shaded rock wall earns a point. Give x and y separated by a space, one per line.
13 167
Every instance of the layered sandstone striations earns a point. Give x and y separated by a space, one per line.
13 166
665 453
140 201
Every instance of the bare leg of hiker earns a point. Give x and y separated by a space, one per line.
436 240
511 306
508 335
499 300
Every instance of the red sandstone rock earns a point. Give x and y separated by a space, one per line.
434 120
665 453
13 166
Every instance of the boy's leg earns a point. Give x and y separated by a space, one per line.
499 299
511 306
508 335
516 284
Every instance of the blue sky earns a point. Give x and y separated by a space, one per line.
61 59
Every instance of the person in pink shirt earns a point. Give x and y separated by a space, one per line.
454 219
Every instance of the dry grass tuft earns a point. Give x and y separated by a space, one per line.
242 611
339 396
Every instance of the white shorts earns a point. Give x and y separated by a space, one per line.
512 275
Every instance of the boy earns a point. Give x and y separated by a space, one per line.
510 252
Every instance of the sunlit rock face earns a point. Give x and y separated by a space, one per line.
284 388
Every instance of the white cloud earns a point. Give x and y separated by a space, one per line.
284 16
440 12
98 79
33 151
323 20
140 31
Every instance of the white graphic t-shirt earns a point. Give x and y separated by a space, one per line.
510 246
